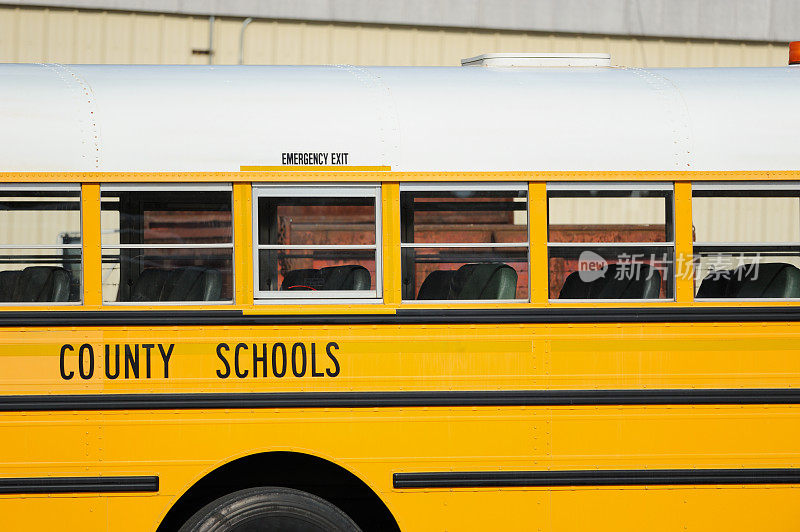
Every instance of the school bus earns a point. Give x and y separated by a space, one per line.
517 294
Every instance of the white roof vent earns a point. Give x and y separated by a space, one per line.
539 60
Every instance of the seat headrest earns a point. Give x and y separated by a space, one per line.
630 281
193 283
437 286
305 279
347 277
8 282
42 284
777 280
620 281
715 285
485 281
471 281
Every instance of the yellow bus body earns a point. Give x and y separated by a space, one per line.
375 442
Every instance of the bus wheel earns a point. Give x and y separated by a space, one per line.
273 509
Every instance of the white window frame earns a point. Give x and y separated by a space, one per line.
621 187
56 187
313 190
722 187
174 187
477 186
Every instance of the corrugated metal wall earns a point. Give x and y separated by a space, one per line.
71 36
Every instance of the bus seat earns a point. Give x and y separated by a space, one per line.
303 279
36 284
437 285
347 277
630 281
770 280
149 286
715 285
777 280
485 281
576 288
181 284
471 281
8 281
194 284
620 281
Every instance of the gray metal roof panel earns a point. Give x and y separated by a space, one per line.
744 20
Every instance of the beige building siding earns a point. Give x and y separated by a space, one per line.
73 36
746 219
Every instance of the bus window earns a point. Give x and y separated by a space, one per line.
747 240
464 241
317 242
40 239
171 243
610 241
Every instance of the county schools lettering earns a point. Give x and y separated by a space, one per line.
302 361
243 360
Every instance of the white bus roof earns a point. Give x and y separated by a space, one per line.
219 118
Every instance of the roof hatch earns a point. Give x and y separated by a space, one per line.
539 60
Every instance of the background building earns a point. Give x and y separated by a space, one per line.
644 33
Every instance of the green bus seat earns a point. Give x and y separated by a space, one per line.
776 280
149 286
35 284
715 285
576 288
620 281
193 283
485 281
471 281
438 285
347 277
8 281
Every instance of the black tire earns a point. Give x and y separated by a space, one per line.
270 509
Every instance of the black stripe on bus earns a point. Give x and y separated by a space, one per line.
594 477
601 315
469 398
401 316
78 485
